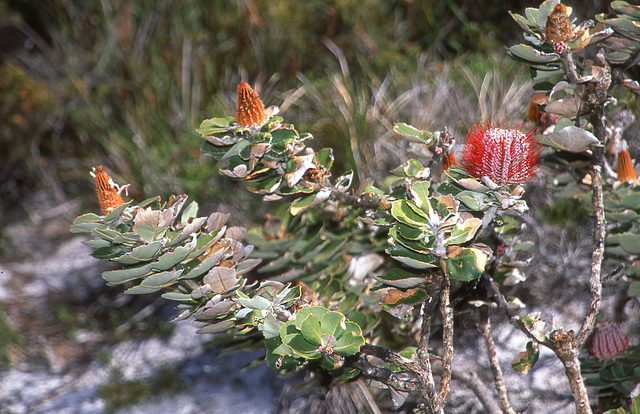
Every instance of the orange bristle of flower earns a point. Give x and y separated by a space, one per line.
108 196
249 108
505 155
625 170
448 161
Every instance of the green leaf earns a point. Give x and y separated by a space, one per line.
420 193
217 122
325 158
311 330
140 254
348 344
257 302
216 327
333 323
531 55
317 311
162 279
572 139
86 223
411 168
115 277
183 297
407 212
466 264
411 131
527 359
150 232
400 278
300 346
110 252
411 258
169 260
630 242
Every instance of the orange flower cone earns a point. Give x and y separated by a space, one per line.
249 108
108 194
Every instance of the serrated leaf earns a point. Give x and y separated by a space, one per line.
572 139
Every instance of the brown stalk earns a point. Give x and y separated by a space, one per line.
494 362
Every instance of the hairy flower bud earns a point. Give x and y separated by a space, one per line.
558 27
504 155
607 341
249 108
108 191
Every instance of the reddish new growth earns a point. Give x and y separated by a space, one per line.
504 155
607 341
249 108
108 192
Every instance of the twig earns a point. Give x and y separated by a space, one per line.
425 374
447 335
485 326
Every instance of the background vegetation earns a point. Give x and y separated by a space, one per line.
123 83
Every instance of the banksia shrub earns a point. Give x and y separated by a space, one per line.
504 155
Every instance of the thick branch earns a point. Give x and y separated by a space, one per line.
599 233
485 326
400 381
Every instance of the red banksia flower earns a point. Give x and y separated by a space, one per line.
607 341
108 192
625 169
504 155
249 108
